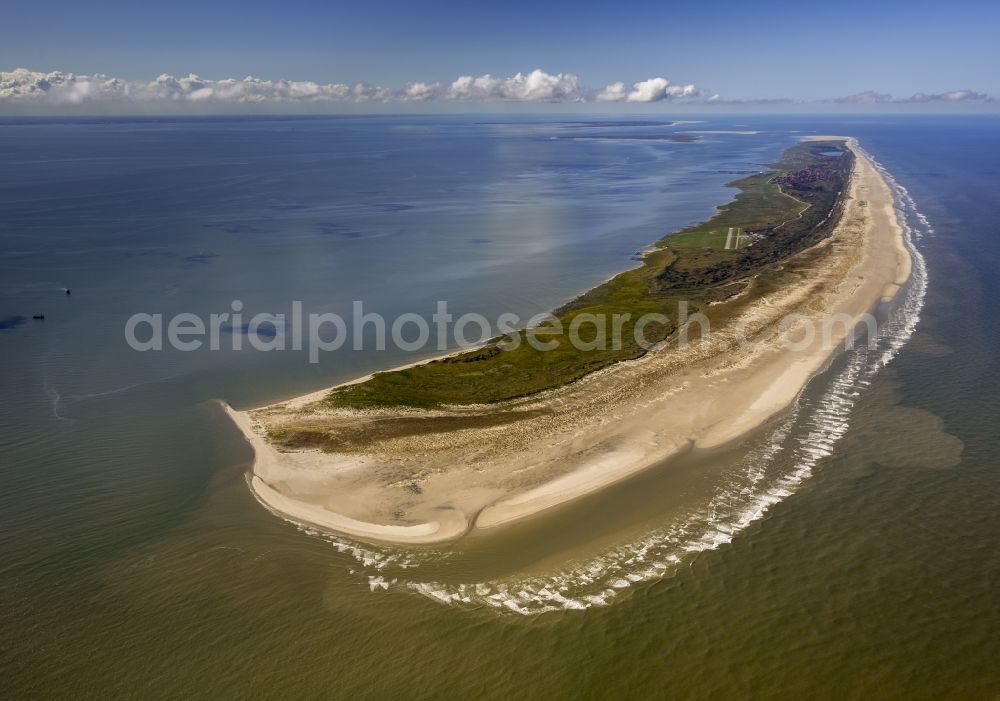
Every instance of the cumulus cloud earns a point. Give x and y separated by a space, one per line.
69 88
870 97
612 93
652 90
59 88
536 86
56 88
422 91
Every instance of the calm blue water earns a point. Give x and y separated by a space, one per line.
133 561
163 217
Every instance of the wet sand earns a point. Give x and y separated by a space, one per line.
436 486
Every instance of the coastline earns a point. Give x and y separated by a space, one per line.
600 430
272 499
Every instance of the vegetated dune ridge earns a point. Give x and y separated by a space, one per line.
507 461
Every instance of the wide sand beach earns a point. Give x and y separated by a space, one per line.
561 444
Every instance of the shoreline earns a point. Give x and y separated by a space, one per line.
610 425
278 503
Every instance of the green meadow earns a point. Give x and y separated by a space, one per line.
691 266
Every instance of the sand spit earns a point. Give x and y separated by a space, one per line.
522 457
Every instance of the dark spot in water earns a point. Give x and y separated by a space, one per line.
11 322
200 258
392 206
331 229
239 229
480 241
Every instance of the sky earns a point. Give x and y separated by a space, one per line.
737 51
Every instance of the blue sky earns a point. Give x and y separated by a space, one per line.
739 50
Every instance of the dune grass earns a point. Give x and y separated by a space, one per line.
687 266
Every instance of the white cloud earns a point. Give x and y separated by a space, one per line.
422 91
870 97
58 88
657 89
68 88
652 90
537 86
612 93
963 96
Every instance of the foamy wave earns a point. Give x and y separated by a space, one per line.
372 557
748 494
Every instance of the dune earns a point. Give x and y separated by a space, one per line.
559 445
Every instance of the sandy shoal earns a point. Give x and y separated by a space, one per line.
435 487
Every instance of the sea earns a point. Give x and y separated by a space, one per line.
850 548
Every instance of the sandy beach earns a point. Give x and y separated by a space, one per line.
538 452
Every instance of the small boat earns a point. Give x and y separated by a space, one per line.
39 316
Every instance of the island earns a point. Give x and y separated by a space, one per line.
484 437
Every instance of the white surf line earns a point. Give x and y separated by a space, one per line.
744 497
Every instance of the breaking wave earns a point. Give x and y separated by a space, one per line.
751 489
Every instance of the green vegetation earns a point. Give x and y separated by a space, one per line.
730 238
691 265
759 203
